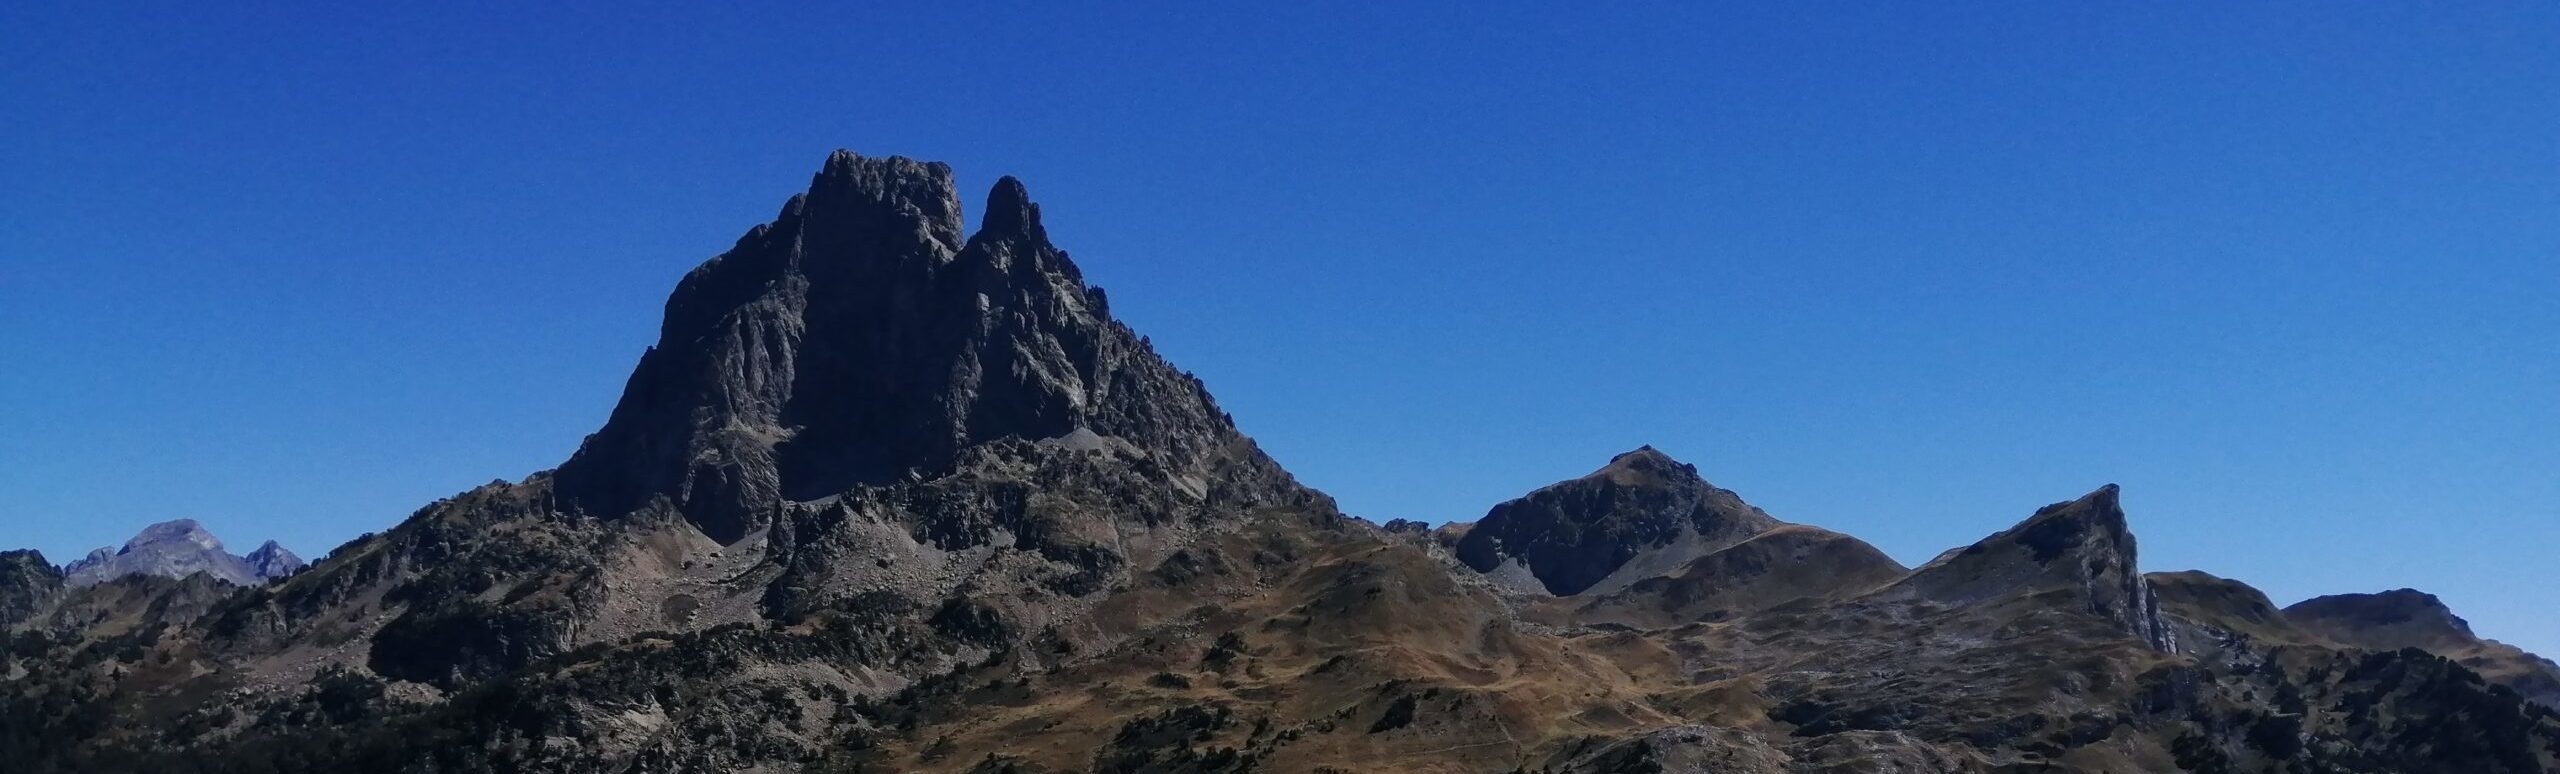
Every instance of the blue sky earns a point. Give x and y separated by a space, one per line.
2286 272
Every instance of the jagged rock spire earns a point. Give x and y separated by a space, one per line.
857 339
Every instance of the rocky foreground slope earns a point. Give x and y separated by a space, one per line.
891 496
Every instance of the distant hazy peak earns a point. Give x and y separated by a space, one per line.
176 549
272 560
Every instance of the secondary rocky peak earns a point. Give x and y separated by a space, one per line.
2082 546
2413 613
271 561
2094 521
1641 510
857 339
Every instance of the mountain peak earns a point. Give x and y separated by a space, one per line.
2081 546
1641 510
2096 517
1011 213
174 531
857 339
1647 466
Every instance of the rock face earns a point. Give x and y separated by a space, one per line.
1642 514
857 339
172 549
2081 547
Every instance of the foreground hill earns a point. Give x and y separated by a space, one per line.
885 497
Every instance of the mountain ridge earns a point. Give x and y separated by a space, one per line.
886 495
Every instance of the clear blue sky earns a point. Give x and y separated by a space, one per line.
2286 272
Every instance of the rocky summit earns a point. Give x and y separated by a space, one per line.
890 495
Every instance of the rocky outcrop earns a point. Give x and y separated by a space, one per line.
1641 515
2081 548
169 549
857 340
28 584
